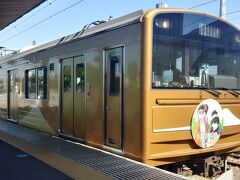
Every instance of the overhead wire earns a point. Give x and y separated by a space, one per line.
15 26
59 12
232 12
75 5
233 18
203 4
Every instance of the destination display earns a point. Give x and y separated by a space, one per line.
209 31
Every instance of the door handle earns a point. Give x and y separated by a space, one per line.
107 108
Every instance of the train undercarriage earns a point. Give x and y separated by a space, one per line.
209 165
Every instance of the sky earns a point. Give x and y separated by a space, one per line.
48 21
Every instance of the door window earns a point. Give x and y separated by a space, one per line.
114 76
1 85
11 83
42 83
80 78
67 78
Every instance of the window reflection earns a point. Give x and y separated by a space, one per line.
114 76
32 82
1 85
42 83
36 83
80 78
67 78
196 51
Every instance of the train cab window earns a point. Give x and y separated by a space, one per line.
194 51
80 78
114 76
67 78
36 83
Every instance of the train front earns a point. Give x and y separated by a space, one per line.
191 86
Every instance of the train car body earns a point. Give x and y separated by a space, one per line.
141 85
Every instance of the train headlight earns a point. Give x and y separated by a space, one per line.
162 23
237 38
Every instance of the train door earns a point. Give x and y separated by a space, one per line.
13 91
79 97
113 97
73 97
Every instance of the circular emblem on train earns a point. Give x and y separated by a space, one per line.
207 123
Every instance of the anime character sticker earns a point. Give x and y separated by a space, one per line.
215 129
207 123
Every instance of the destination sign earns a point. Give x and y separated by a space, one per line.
209 31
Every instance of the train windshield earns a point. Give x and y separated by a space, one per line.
194 51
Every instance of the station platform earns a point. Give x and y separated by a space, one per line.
57 158
16 164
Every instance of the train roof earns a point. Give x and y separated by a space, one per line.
109 25
106 26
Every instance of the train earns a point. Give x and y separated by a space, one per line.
159 86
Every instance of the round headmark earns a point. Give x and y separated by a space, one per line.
207 123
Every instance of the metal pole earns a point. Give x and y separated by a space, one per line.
223 8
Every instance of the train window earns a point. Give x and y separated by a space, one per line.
31 84
67 78
80 78
114 76
51 66
194 51
10 77
42 83
1 85
36 83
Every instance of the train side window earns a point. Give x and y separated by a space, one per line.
114 76
1 85
67 78
31 84
36 83
80 78
42 83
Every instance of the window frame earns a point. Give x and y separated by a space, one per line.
37 84
81 67
167 39
1 85
114 75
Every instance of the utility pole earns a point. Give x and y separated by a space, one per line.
223 8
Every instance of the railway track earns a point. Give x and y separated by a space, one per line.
234 159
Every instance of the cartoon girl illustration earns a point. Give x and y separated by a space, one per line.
203 124
207 123
215 129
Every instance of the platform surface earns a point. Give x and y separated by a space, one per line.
74 160
16 164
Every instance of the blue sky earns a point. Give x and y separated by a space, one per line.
73 19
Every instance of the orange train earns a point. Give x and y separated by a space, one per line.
157 86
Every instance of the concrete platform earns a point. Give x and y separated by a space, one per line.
16 164
75 160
